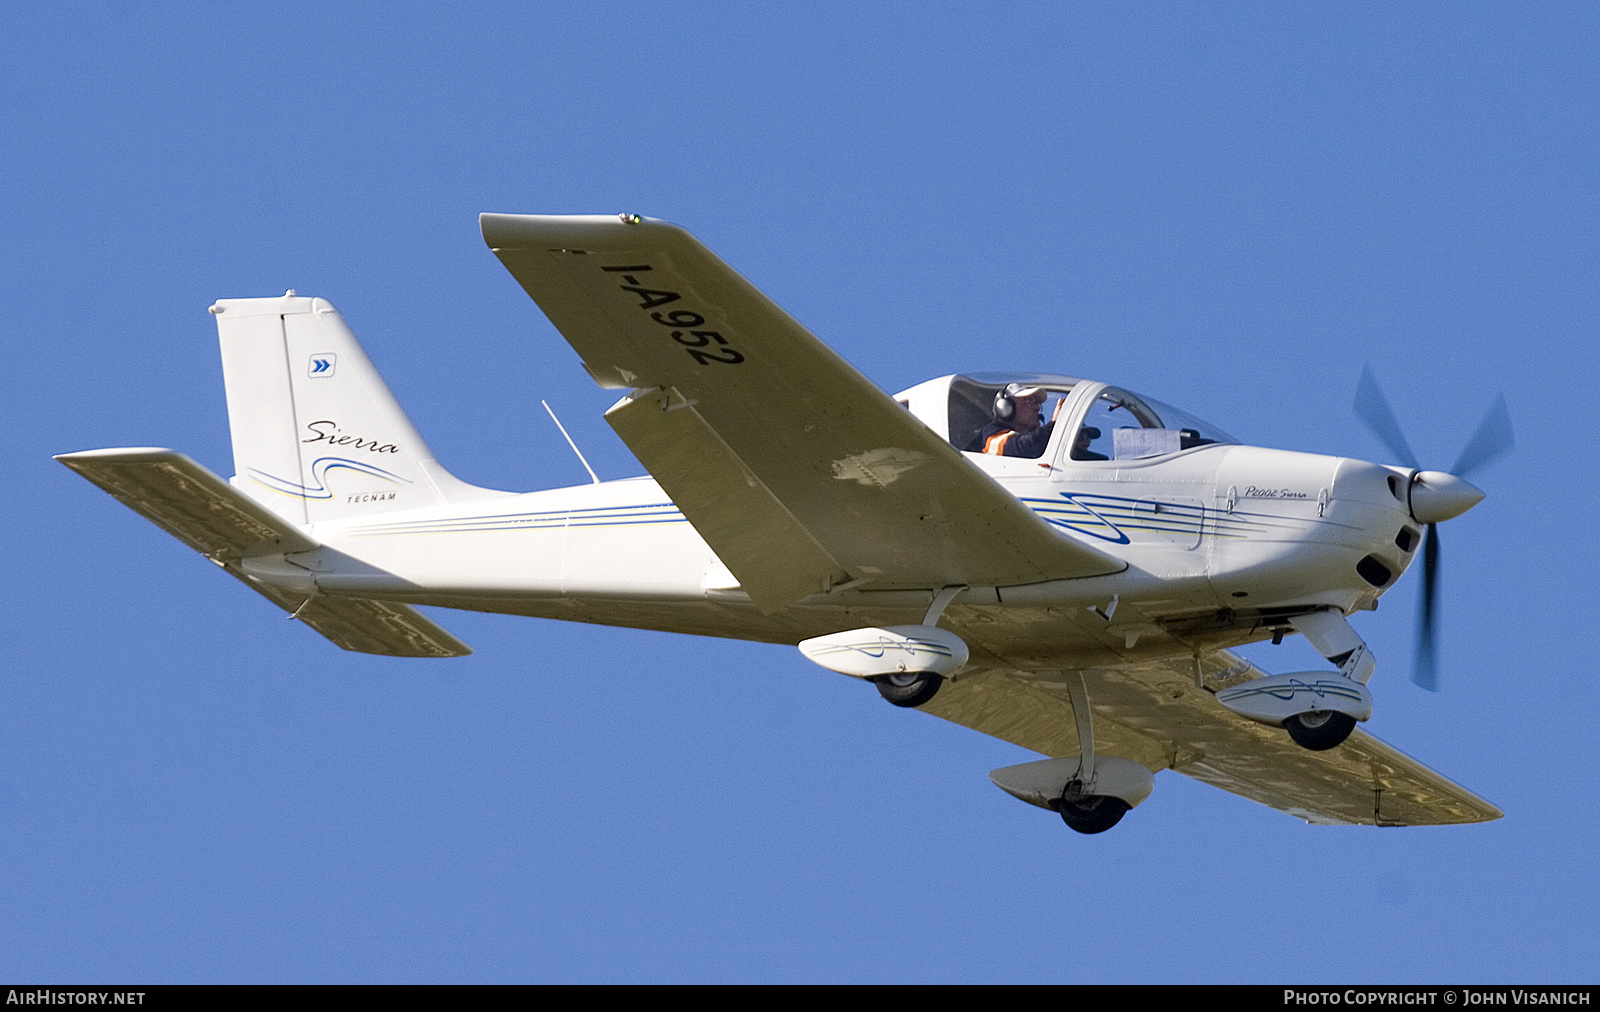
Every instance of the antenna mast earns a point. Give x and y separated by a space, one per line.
570 443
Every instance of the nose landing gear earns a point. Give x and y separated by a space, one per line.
1319 709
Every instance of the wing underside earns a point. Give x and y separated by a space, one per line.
797 470
1155 714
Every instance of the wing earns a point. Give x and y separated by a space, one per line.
796 469
1154 714
216 520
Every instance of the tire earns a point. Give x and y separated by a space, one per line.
910 689
1093 814
1320 730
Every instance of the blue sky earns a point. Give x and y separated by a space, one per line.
1231 208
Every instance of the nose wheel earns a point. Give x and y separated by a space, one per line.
1320 730
909 688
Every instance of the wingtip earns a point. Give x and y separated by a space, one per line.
515 231
130 453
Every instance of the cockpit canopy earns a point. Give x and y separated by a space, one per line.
1107 423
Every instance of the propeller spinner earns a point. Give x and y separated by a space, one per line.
1435 496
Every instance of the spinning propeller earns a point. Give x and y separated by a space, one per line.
1434 496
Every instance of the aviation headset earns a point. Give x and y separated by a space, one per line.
1005 401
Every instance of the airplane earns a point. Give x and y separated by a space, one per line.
1076 590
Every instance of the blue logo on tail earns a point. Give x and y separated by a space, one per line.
319 473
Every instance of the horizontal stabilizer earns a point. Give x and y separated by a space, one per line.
188 502
362 625
220 522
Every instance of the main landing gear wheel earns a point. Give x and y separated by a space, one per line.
1320 730
1094 813
909 688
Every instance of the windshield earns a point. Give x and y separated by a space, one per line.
1120 426
1176 418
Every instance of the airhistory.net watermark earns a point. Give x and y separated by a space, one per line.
44 996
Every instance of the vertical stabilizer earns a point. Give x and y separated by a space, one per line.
316 433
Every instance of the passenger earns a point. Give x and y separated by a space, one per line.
1080 446
1015 430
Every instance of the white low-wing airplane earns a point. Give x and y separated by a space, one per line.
1077 599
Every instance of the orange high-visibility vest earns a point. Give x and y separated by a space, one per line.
996 444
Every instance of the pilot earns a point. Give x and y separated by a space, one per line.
1015 430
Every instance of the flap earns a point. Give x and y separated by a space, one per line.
730 507
829 467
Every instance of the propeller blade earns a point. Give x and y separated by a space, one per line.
1494 437
1423 669
1373 409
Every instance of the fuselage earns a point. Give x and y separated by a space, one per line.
1222 542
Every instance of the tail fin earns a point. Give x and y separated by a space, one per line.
316 433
